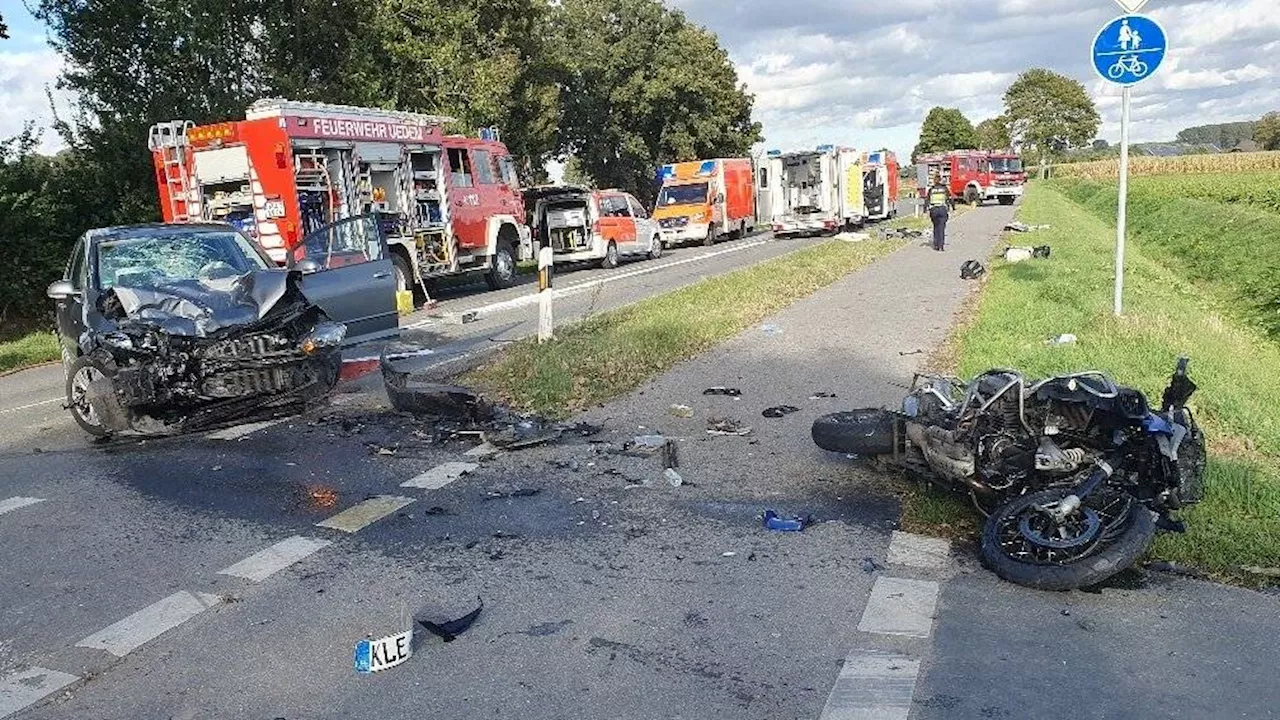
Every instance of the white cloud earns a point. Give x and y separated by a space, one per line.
26 78
864 74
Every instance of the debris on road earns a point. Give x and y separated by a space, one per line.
483 451
903 233
726 426
729 553
795 523
780 411
869 565
517 493
1022 227
683 411
1063 339
374 655
1019 254
730 392
670 454
672 477
449 630
853 237
972 270
822 396
905 353
770 329
421 397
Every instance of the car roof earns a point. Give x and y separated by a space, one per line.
152 229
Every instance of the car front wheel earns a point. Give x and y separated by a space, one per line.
82 373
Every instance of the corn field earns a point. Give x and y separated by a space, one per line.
1183 164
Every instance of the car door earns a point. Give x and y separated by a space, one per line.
646 228
69 311
616 223
348 273
466 211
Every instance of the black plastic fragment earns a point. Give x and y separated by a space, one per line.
779 411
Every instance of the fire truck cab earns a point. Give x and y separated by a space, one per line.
973 176
449 204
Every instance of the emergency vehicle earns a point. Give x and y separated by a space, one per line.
880 182
969 176
591 225
813 192
450 204
704 200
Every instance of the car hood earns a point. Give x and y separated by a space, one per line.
196 308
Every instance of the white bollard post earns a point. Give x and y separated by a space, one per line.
545 325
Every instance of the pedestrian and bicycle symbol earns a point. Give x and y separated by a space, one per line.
1129 49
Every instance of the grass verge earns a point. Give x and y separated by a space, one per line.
610 354
1166 315
33 348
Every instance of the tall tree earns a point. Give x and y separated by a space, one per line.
993 134
642 86
945 129
1267 132
1049 113
1224 135
4 29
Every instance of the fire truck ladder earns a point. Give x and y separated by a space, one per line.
170 140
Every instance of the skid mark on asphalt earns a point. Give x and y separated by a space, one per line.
150 622
24 688
440 475
265 563
356 517
14 503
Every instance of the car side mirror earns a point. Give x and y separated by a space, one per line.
307 266
60 290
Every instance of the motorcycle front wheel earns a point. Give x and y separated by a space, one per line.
1024 544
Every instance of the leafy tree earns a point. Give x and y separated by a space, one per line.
1050 113
993 134
1101 144
4 29
642 87
945 129
1267 133
1224 135
573 173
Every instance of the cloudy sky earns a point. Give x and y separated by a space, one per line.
864 72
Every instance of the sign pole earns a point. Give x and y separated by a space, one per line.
546 259
1122 207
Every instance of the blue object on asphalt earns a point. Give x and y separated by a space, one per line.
774 521
364 656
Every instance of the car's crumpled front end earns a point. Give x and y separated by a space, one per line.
197 353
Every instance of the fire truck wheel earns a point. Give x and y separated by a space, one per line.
403 275
1006 199
503 273
610 256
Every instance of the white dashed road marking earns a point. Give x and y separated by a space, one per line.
440 475
264 564
918 551
149 623
13 503
24 688
899 606
28 406
358 516
238 431
873 686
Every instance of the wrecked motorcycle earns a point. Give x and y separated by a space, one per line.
1073 473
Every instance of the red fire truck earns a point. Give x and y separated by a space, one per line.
970 175
451 204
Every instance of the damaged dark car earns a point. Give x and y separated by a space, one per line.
177 328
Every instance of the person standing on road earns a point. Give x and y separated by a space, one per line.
939 203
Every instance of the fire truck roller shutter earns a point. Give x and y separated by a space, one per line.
379 153
222 165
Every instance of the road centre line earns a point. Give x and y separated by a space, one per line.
582 287
918 551
24 688
150 622
28 406
440 475
14 503
900 606
235 432
358 516
265 563
873 686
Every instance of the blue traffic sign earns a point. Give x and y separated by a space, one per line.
1129 49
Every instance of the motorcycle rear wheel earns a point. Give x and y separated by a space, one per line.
1115 547
866 433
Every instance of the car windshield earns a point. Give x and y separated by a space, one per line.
693 194
153 259
1006 165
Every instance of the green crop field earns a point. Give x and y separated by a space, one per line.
1260 189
